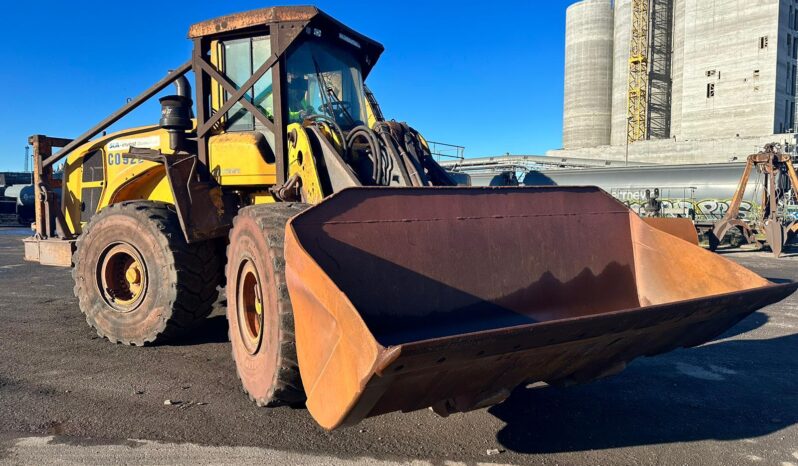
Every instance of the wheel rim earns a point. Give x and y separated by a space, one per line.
122 276
250 307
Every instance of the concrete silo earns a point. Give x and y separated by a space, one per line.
620 70
588 74
677 67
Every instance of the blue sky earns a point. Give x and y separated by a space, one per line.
484 75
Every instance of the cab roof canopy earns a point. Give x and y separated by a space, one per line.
289 22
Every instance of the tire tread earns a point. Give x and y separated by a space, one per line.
198 264
272 219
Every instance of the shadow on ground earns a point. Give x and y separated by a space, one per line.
790 250
752 322
729 390
211 330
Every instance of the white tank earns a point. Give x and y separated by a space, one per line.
588 74
15 191
620 70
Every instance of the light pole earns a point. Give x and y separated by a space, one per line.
27 157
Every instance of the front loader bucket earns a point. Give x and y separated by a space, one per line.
407 298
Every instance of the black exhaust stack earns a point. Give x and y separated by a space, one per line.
176 114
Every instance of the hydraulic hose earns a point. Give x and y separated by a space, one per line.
335 127
375 149
397 154
436 175
392 145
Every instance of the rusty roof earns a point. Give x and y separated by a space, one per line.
247 19
371 49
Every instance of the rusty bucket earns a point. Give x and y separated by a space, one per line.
407 298
683 228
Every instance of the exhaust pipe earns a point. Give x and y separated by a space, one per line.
183 87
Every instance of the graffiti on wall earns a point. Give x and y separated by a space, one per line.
679 202
706 209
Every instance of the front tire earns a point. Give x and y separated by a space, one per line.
259 312
137 280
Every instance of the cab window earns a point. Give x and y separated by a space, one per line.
240 59
325 80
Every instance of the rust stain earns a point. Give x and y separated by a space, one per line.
252 18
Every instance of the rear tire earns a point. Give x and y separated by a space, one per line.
136 278
259 312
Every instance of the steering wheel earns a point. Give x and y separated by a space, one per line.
339 107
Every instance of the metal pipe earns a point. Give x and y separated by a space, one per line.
182 86
117 115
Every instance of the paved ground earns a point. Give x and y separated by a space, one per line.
66 395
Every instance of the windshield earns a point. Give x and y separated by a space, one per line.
324 80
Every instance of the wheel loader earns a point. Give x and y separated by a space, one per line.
359 279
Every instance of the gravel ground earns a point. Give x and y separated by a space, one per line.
68 396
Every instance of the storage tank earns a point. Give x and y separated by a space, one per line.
705 189
620 69
587 108
18 199
505 178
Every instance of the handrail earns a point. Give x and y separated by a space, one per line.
117 115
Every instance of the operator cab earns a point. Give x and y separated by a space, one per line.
297 64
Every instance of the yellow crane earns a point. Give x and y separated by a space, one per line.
637 98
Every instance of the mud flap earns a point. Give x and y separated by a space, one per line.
407 298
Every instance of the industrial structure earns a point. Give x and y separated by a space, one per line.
16 197
702 192
678 81
510 170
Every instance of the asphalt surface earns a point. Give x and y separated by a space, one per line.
68 396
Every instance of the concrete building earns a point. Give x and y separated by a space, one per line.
721 79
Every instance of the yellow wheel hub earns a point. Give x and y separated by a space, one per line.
250 307
258 304
123 277
133 277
